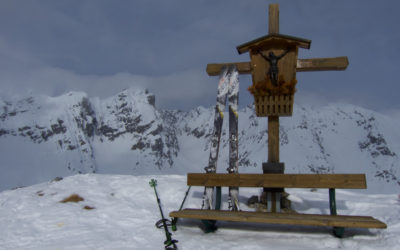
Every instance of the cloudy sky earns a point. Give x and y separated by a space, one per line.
101 47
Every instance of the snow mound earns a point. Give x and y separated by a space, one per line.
119 212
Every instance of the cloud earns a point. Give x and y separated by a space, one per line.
180 90
22 73
101 47
308 98
393 113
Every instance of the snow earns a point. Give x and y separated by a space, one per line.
125 211
333 139
126 134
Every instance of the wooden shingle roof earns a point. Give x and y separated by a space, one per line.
300 42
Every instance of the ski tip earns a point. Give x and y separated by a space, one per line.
224 71
232 67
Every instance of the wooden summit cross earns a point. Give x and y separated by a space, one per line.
274 82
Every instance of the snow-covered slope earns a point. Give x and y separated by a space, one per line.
119 212
43 137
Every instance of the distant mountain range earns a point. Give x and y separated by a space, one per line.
43 137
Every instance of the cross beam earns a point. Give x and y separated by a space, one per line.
303 65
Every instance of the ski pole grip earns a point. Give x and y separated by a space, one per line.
153 183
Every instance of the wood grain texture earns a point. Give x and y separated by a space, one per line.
273 139
322 64
214 69
348 181
281 218
286 75
302 65
274 40
273 18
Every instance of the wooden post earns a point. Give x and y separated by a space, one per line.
273 139
273 121
273 157
273 18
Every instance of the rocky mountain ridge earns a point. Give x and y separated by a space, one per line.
127 134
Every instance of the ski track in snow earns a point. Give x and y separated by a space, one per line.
125 212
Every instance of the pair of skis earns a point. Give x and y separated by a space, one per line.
228 88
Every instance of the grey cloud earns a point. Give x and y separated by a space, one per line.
169 43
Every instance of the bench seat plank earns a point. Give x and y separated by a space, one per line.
348 181
281 218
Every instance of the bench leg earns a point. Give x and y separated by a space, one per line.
278 202
337 231
174 221
273 202
218 198
209 226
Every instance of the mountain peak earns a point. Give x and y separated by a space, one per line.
126 134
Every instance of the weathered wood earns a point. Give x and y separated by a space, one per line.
273 139
260 67
303 65
320 64
281 218
275 39
214 69
263 84
273 18
273 105
348 181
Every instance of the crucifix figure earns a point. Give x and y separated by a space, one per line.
273 65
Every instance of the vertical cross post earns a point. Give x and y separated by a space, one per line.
273 139
273 121
273 18
273 166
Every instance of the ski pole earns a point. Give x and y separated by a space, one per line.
169 243
175 220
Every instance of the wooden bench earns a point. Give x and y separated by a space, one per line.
329 181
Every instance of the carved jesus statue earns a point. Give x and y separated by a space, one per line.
273 65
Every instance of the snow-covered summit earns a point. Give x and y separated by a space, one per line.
119 212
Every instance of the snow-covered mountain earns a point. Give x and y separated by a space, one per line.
44 137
